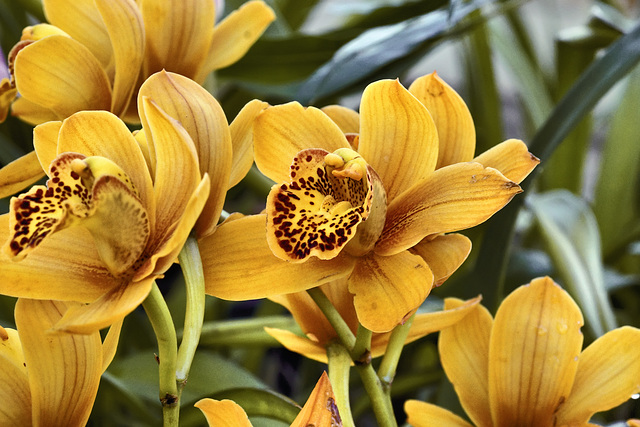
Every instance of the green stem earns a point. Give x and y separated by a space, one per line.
380 402
387 369
160 318
361 352
191 265
335 319
339 367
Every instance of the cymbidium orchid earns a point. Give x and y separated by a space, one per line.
319 333
114 215
372 208
94 55
526 367
320 410
50 378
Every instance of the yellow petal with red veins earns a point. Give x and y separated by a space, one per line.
19 174
223 413
202 117
66 266
100 133
450 199
464 352
313 350
32 113
110 308
58 362
14 392
347 120
7 95
178 35
233 37
281 132
123 22
81 19
422 414
398 137
316 214
533 354
444 254
321 409
242 140
388 289
512 158
456 133
238 264
45 143
61 74
608 374
176 166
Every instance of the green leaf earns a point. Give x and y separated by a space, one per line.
570 232
617 201
378 47
603 73
262 403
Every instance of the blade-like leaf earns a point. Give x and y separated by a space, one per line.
618 60
570 232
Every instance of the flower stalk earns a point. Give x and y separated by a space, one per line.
389 364
162 323
339 368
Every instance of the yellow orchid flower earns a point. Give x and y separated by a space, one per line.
94 54
112 218
526 367
319 411
371 207
319 333
50 378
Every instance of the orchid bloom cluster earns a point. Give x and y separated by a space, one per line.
362 222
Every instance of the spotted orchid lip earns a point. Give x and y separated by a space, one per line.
323 206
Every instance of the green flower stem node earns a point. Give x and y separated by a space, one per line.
162 323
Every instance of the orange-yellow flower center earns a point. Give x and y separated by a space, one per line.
316 214
90 191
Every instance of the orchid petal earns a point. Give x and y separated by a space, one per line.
321 409
110 308
533 353
19 174
82 21
61 74
456 133
464 352
512 158
64 267
178 33
110 344
100 133
450 199
45 143
7 94
281 132
310 349
124 24
239 265
242 140
31 113
398 137
202 117
14 391
608 374
347 120
220 413
176 166
233 37
422 414
64 369
388 289
444 254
